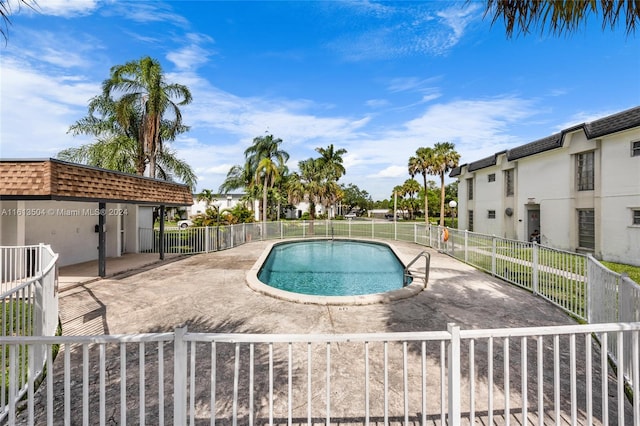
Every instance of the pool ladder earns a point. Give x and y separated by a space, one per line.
417 273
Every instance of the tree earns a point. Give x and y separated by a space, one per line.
141 84
410 187
265 148
421 163
561 17
397 198
355 198
331 160
5 12
116 129
445 158
267 172
307 185
207 196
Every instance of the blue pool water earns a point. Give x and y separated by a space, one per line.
332 268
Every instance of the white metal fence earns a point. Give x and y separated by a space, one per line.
557 275
543 375
533 375
28 307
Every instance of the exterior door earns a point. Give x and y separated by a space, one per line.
533 223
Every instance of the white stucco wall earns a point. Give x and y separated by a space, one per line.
69 227
620 195
548 181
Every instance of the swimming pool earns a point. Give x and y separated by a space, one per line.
332 268
340 271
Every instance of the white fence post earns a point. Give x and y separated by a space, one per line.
466 245
206 239
454 374
493 255
180 377
534 271
415 233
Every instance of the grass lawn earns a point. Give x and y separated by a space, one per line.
632 271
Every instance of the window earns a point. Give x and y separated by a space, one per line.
584 168
635 149
469 189
508 183
492 214
492 177
586 229
470 221
636 217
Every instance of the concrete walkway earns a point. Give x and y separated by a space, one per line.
208 293
71 276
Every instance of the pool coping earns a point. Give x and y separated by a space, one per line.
416 287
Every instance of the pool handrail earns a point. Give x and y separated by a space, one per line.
427 265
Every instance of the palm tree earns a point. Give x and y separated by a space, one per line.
331 160
411 187
117 146
207 196
421 163
398 191
5 11
307 185
141 83
268 172
445 158
562 16
265 147
241 177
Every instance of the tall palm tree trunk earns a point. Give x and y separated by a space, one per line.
426 200
441 199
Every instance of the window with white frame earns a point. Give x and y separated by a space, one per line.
470 221
636 217
469 189
586 229
635 149
508 183
585 171
491 177
491 214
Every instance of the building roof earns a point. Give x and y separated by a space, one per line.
604 126
485 162
535 147
51 179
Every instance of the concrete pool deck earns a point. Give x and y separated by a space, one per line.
209 293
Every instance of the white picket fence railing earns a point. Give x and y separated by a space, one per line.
531 375
541 375
28 307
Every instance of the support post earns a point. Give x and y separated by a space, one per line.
102 241
161 242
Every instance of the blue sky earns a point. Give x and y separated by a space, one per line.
379 79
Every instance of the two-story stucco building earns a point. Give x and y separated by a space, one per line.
579 188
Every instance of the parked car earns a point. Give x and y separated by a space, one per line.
185 223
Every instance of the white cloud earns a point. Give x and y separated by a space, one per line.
192 55
391 171
66 8
38 110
